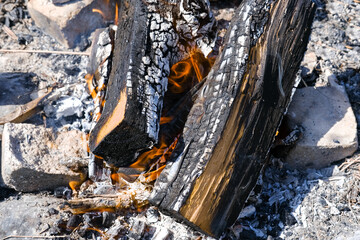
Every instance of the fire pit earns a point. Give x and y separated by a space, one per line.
180 119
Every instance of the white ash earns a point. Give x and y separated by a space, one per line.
63 73
65 107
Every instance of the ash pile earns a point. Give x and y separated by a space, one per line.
308 190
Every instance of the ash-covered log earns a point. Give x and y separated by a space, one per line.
232 124
151 36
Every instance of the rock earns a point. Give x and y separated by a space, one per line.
247 211
152 215
16 89
27 215
351 235
138 229
162 234
32 156
328 123
70 21
308 65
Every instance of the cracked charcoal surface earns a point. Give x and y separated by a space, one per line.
167 41
144 69
231 54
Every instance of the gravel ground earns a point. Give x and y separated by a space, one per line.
286 204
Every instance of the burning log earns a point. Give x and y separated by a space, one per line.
151 36
232 123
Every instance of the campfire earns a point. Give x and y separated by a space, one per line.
182 119
196 125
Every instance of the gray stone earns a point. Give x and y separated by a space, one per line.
308 64
351 235
329 126
70 21
16 89
162 234
27 215
32 156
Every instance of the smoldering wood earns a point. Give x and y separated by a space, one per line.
232 124
91 204
151 36
100 67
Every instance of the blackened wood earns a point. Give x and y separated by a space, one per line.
151 36
233 122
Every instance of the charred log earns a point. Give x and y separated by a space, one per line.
151 36
232 124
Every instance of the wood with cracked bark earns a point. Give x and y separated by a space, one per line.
232 124
151 36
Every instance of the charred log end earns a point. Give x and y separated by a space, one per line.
116 137
123 128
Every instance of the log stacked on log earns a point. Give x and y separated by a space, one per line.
151 36
232 124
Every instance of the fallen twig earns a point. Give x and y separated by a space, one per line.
9 32
348 163
33 237
43 52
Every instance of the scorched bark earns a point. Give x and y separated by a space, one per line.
233 122
151 36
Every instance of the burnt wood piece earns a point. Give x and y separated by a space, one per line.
232 124
151 36
100 68
26 111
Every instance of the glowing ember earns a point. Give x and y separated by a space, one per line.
164 120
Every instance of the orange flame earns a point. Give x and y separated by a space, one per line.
116 14
155 158
89 80
189 71
178 76
152 176
196 68
99 11
142 162
75 185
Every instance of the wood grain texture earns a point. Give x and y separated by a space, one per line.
233 122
